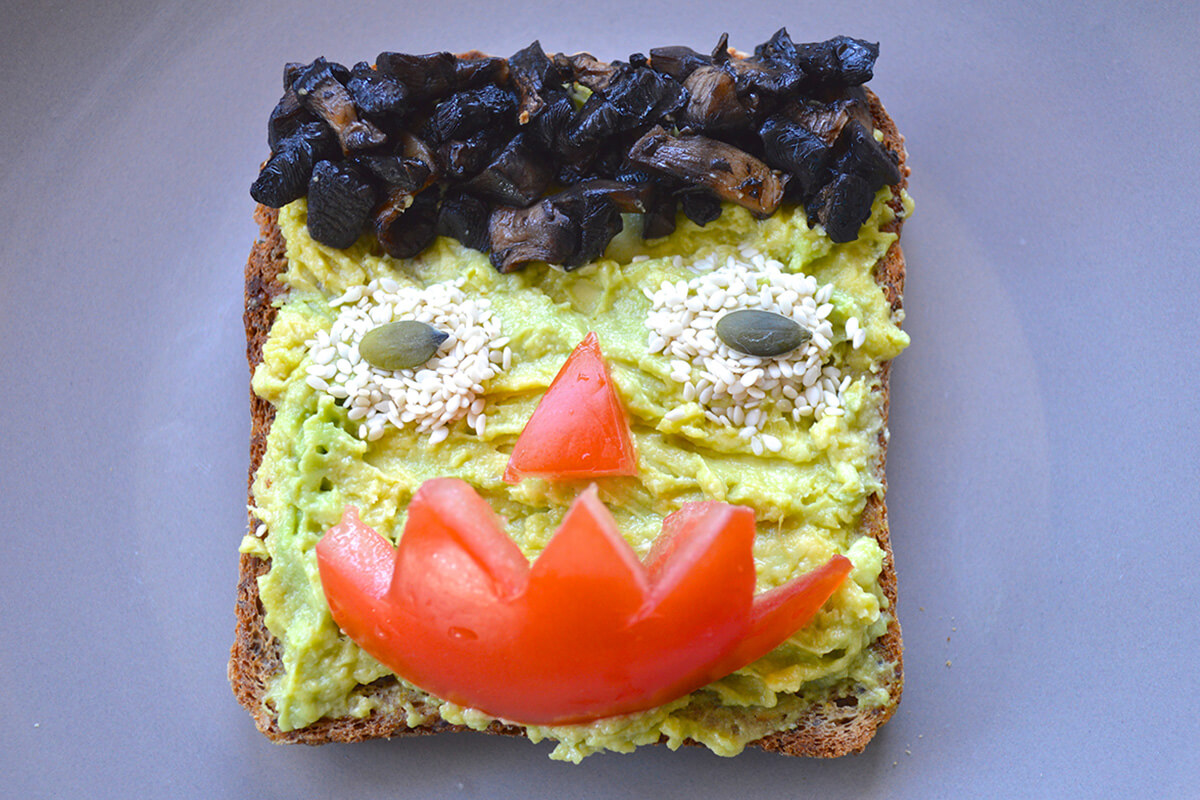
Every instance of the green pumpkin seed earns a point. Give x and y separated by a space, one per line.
761 333
402 344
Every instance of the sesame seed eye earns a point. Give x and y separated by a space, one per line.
429 397
737 389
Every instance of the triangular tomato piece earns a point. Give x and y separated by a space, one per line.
579 429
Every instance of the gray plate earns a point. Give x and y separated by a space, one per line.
1044 456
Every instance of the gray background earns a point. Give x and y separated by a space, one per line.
1044 456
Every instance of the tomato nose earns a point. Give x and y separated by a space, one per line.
579 429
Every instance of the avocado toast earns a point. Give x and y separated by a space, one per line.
835 713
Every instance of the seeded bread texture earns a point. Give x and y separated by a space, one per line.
835 727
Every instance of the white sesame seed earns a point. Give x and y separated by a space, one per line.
772 443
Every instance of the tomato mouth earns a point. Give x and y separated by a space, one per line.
586 631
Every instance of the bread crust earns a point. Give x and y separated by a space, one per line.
835 728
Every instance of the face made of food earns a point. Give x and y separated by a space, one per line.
792 437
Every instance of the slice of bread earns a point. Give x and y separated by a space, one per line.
830 728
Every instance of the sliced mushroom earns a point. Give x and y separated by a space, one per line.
590 71
571 228
659 219
546 126
405 225
533 73
464 218
517 177
376 94
728 172
461 159
466 113
866 158
411 169
838 62
471 73
541 232
643 96
713 103
678 62
288 115
285 176
340 198
842 206
794 148
425 77
321 92
699 206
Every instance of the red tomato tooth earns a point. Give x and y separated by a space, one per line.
782 611
451 526
587 554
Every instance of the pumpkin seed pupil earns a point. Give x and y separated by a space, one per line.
402 344
761 333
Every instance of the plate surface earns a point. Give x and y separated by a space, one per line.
1044 423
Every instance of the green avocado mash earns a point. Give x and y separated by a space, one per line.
808 497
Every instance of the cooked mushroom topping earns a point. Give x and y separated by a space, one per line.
517 177
659 219
376 94
591 72
340 199
321 92
569 229
464 218
865 157
713 104
797 150
468 112
538 233
406 225
461 159
471 73
731 174
426 77
842 207
700 207
678 62
533 73
285 176
545 129
680 129
285 119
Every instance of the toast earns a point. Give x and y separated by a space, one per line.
834 726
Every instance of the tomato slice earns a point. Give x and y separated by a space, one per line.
579 429
588 631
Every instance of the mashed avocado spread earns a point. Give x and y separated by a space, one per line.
808 497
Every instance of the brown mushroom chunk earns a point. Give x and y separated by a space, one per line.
471 73
517 177
541 232
320 91
425 77
571 228
713 102
533 73
590 71
723 169
678 62
405 225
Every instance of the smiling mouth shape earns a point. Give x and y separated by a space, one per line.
587 631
